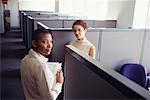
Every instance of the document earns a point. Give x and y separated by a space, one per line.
54 67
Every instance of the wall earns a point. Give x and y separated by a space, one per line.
15 5
119 46
123 11
1 18
145 56
86 79
14 14
83 83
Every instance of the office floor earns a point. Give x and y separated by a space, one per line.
12 51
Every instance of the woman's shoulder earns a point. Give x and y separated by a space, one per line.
73 42
89 43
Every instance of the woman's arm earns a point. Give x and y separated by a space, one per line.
92 51
41 83
44 83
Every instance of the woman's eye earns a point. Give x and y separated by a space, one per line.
74 30
79 30
44 42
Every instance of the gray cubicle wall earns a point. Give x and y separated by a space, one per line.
86 79
93 23
67 23
29 25
114 47
55 20
60 39
52 23
63 36
30 29
23 15
61 22
120 46
31 13
24 29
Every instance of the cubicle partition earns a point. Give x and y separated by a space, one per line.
67 23
31 13
121 46
114 47
23 17
54 20
30 29
63 36
93 23
86 78
27 24
24 29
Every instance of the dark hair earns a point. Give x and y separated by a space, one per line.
80 22
36 33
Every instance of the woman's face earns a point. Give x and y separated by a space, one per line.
44 44
79 32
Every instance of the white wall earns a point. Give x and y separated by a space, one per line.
120 46
14 14
123 11
1 18
15 5
94 37
146 51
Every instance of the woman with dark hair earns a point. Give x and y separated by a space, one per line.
37 79
80 28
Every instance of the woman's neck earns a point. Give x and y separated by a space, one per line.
82 39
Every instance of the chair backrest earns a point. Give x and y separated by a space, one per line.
135 72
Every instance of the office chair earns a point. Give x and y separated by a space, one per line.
136 73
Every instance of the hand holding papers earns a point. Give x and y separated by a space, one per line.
54 67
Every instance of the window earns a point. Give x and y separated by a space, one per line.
37 5
142 14
93 9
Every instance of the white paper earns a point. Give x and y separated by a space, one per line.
54 67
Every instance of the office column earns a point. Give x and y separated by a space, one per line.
57 6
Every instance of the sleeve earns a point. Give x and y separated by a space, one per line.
44 83
56 90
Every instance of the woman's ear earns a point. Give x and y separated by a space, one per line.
34 44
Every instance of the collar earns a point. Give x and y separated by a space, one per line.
82 40
40 57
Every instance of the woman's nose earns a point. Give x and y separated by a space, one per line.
76 33
50 45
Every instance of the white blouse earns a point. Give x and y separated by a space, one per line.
83 45
37 79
